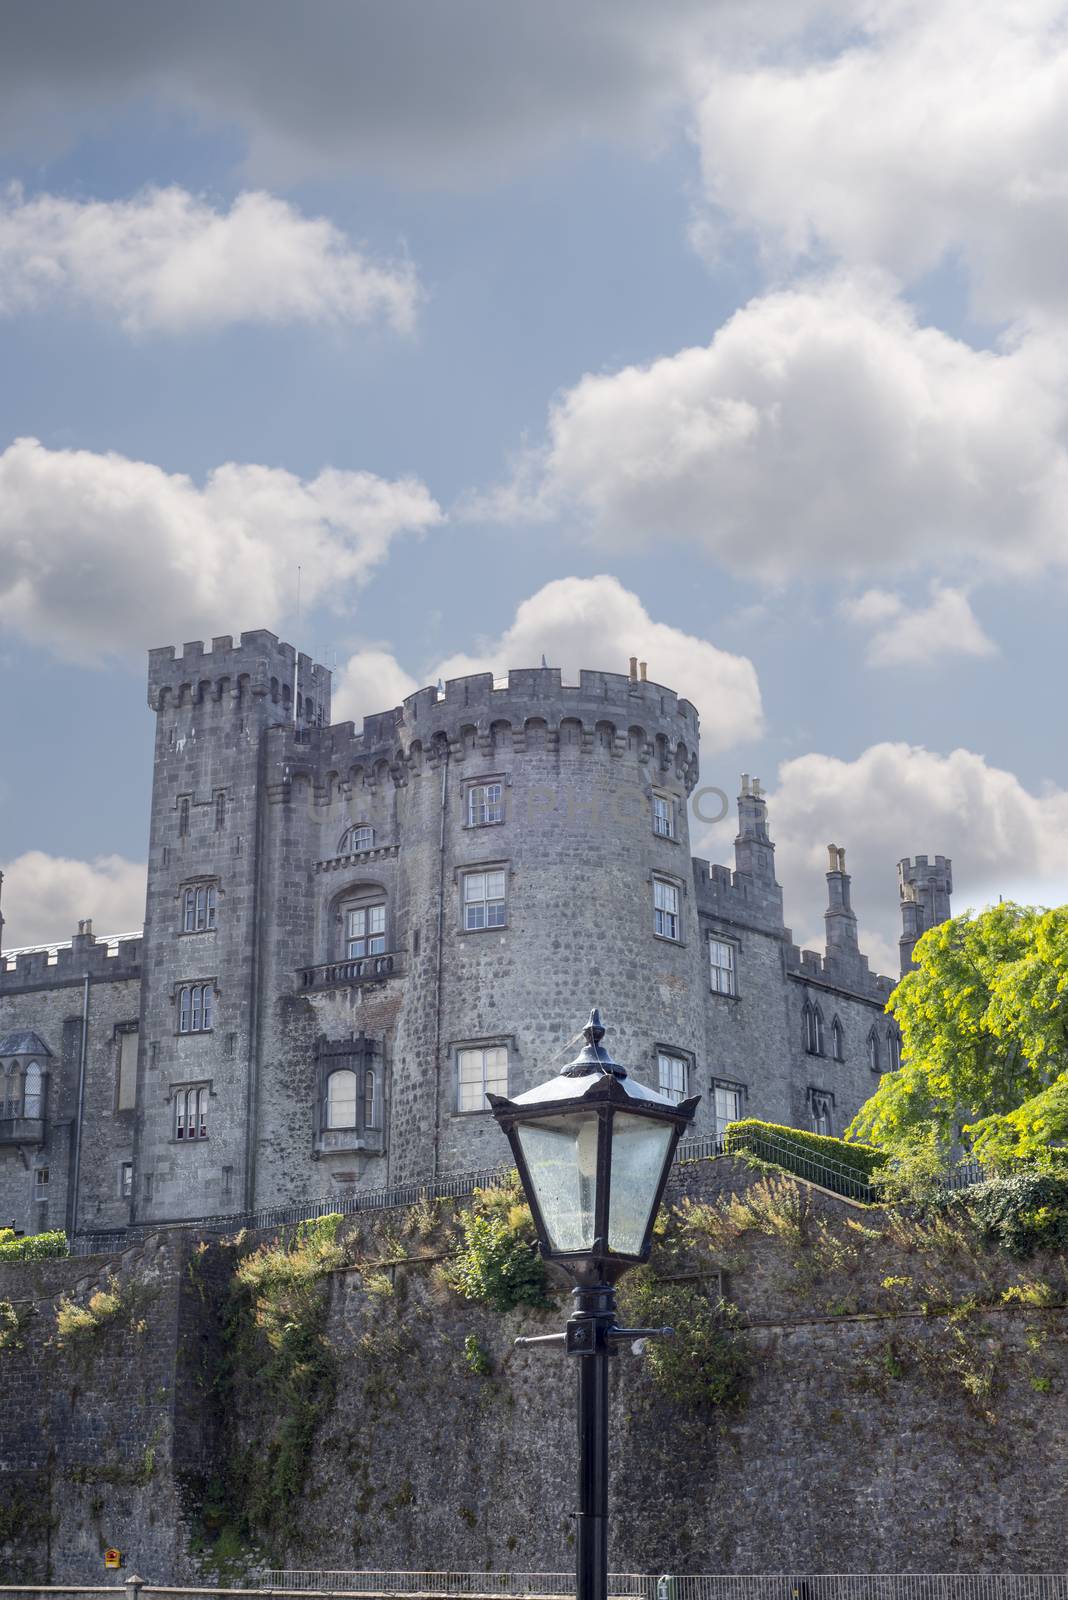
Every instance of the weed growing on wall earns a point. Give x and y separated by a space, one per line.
708 1362
78 1324
497 1264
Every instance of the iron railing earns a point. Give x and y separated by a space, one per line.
691 1586
837 1176
462 1585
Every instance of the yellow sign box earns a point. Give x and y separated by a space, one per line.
113 1558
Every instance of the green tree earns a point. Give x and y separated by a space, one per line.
984 1030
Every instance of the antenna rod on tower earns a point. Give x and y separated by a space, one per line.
296 658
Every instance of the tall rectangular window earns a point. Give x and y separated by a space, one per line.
721 966
199 908
191 1113
674 1074
183 816
126 1180
220 810
40 1183
484 899
665 909
126 1085
485 804
729 1098
480 1070
664 816
365 932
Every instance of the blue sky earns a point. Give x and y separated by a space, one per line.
736 337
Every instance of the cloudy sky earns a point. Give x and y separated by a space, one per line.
724 332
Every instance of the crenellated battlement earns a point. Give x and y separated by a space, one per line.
853 976
85 955
261 667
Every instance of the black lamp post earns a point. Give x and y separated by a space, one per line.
593 1148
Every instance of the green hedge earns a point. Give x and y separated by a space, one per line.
32 1247
857 1161
1023 1213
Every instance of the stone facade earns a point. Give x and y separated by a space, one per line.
348 935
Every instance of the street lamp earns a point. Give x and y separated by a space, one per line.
594 1149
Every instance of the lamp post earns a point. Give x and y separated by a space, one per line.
593 1148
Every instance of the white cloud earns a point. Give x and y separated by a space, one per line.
371 680
822 433
919 132
900 635
45 897
897 800
593 623
168 261
99 553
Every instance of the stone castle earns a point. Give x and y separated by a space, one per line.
350 936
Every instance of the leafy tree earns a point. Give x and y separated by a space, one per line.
984 1029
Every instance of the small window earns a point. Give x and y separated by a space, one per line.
664 816
31 1092
126 1181
196 1008
183 816
837 1040
721 966
485 804
729 1098
199 908
893 1049
873 1052
341 1099
191 1114
358 838
220 810
370 1100
40 1182
365 931
674 1076
480 1071
665 909
126 1077
822 1106
484 899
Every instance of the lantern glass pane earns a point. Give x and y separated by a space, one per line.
561 1157
639 1150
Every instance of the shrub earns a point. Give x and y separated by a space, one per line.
34 1246
1023 1213
808 1155
77 1322
497 1264
707 1362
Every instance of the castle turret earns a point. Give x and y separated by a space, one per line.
840 918
924 887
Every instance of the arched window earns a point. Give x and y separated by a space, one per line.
358 837
873 1051
893 1049
822 1106
31 1092
812 1020
370 1100
196 1008
191 1113
837 1040
341 1099
199 907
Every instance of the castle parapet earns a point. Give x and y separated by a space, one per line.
260 666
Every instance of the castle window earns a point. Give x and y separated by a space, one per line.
341 1099
199 907
664 816
126 1180
31 1093
183 816
484 899
371 1110
360 837
196 1008
191 1113
729 1099
821 1107
812 1028
478 1072
837 1040
674 1073
893 1049
665 909
126 1066
721 966
873 1051
485 804
365 931
220 810
40 1183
